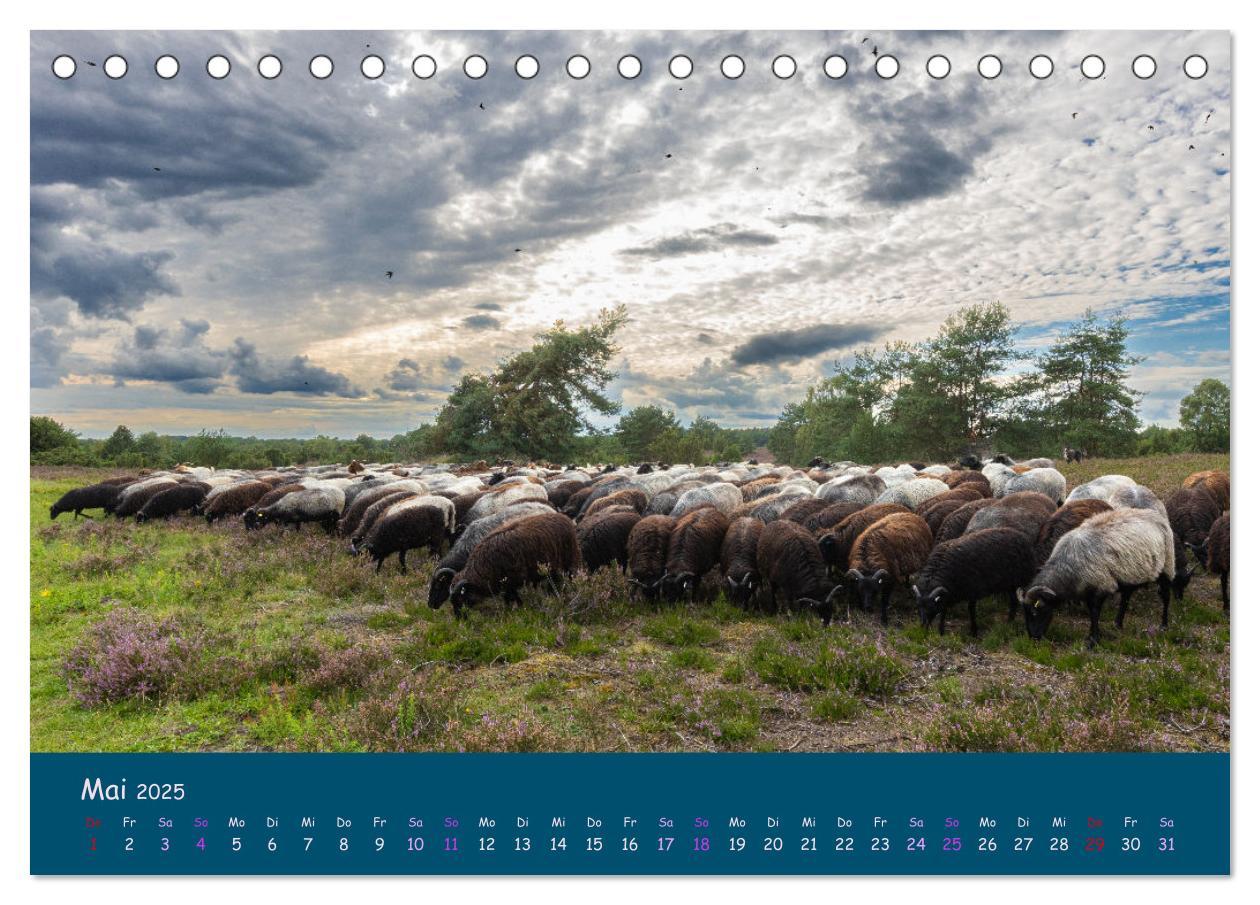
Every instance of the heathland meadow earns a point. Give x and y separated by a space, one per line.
188 637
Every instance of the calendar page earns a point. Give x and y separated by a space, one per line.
615 453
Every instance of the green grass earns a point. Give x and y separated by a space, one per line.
303 647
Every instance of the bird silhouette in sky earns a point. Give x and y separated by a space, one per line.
1151 128
1209 116
389 274
482 105
1074 115
1192 147
668 156
867 38
157 169
518 251
89 62
874 51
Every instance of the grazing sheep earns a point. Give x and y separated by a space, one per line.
1040 462
1121 550
1191 512
739 559
559 492
501 497
695 547
836 544
1038 480
962 494
970 462
804 509
1067 517
1218 555
827 520
887 554
406 528
320 504
275 493
355 510
998 475
771 507
911 493
978 564
134 496
576 500
647 550
94 496
633 497
957 521
956 479
725 498
935 513
603 536
473 534
519 553
1215 482
370 515
789 560
1026 512
864 489
751 489
1073 455
172 501
1101 488
237 498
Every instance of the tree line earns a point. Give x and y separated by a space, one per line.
969 388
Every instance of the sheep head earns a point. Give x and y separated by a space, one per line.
931 604
440 587
868 586
1040 602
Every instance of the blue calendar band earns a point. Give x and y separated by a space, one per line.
630 814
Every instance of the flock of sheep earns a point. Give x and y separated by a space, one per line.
834 534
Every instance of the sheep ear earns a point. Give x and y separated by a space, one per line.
853 575
809 602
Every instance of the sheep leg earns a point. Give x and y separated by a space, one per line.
380 561
884 596
971 612
1126 591
940 624
1225 590
402 561
1094 603
1165 587
1012 605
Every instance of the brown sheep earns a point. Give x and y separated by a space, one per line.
964 493
887 554
956 522
739 559
750 489
633 497
695 547
349 523
234 500
603 536
836 544
560 493
790 561
826 520
517 554
373 513
1070 515
574 504
808 506
646 551
968 477
1024 511
1218 555
1191 513
1215 482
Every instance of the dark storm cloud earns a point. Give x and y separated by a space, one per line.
47 349
488 306
296 375
103 282
794 345
926 169
699 241
481 322
180 358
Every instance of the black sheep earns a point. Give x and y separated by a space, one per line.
695 547
517 554
807 508
405 529
827 519
1218 555
181 498
374 512
956 522
739 559
646 551
94 496
604 535
131 502
836 544
789 560
1191 513
237 498
978 564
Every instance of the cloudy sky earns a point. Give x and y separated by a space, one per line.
213 253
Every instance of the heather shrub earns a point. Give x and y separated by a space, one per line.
130 655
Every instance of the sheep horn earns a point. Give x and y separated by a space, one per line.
834 591
918 595
879 573
936 593
853 574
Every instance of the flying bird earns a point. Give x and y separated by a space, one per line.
1192 147
867 38
1074 115
482 106
1209 116
874 51
389 274
89 62
518 251
157 169
1151 128
668 156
